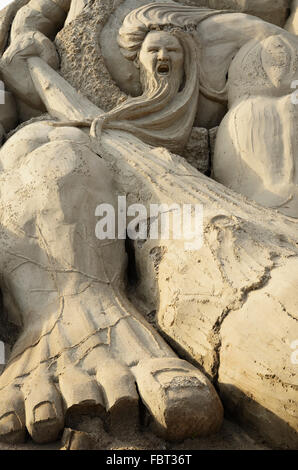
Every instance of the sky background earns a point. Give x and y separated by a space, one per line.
3 3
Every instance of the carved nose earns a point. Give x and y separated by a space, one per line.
163 55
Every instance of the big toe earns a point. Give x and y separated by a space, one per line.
181 400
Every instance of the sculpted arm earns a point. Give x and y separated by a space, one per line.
45 16
33 29
28 66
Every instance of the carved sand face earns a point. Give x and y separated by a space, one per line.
161 55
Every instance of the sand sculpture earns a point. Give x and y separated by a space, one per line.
228 311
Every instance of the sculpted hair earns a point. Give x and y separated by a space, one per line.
168 17
158 16
163 115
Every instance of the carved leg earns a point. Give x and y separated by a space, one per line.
83 346
230 306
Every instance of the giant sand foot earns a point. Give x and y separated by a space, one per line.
55 384
84 349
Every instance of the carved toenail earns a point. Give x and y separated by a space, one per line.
44 412
9 423
184 382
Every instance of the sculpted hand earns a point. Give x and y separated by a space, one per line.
96 127
14 67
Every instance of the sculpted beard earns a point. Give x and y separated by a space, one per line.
154 83
164 114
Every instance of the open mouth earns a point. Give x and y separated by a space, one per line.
163 69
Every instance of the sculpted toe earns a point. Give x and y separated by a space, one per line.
181 400
12 417
43 405
121 397
82 396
